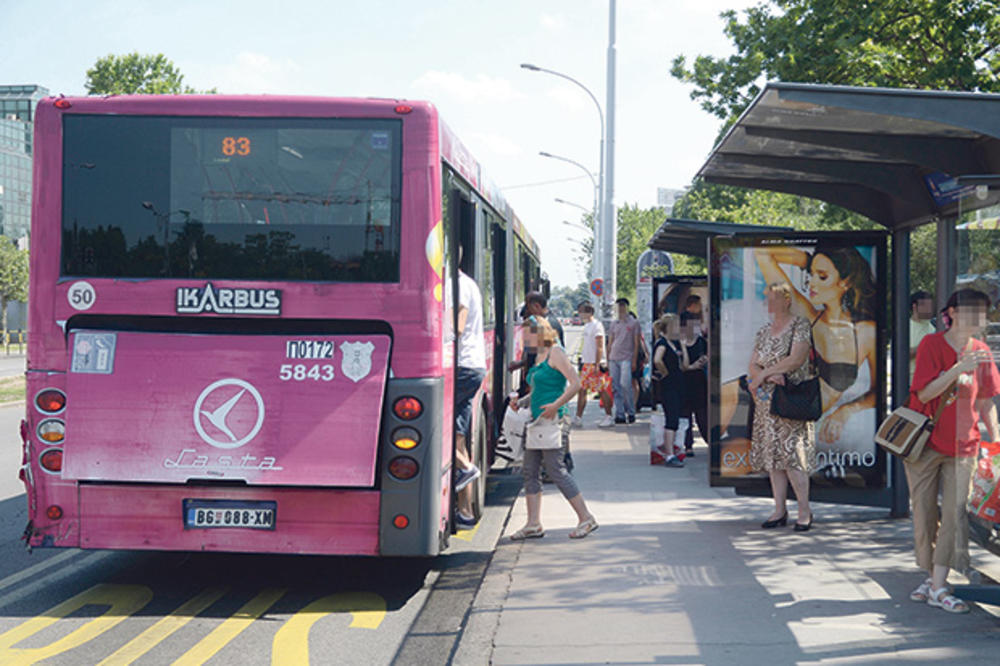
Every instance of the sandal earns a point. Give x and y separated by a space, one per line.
922 592
528 533
584 528
941 599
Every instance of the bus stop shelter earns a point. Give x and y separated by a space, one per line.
691 237
902 158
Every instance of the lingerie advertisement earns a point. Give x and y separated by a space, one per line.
837 285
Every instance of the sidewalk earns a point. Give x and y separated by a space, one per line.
681 573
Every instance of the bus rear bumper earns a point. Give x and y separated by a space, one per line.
307 520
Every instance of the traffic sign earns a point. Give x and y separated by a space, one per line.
597 286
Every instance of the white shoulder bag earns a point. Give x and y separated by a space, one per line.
543 433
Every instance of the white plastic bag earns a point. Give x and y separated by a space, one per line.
656 430
514 424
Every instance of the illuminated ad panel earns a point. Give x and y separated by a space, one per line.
838 290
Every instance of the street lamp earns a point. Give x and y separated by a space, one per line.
600 213
578 165
574 205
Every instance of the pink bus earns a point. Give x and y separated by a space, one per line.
240 339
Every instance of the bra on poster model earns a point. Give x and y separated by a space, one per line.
838 376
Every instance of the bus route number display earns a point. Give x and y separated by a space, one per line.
235 146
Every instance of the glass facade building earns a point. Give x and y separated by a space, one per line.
17 116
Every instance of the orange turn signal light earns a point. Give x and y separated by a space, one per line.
405 438
401 521
52 431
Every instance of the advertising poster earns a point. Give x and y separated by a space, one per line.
673 294
838 283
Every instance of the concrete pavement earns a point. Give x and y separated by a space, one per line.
681 573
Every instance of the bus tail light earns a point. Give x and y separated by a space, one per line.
52 431
54 512
407 408
403 468
50 401
403 109
405 438
51 460
62 104
401 521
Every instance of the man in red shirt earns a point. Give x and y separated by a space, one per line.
955 367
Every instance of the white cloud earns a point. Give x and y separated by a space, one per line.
255 73
570 97
553 22
481 88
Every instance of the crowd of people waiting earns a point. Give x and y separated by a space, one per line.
951 366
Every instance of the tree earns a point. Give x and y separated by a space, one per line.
938 44
635 228
564 300
942 44
13 278
136 73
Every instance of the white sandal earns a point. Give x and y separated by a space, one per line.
940 598
584 528
922 592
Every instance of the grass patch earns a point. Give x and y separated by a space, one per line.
11 389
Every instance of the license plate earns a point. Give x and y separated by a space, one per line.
204 514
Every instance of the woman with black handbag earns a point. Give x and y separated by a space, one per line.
782 447
954 367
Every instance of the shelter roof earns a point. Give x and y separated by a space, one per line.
690 237
893 155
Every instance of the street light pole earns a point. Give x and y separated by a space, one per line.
609 247
599 270
594 270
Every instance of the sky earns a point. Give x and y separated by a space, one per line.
462 55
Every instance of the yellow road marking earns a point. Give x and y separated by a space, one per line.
122 601
467 535
206 648
291 643
152 637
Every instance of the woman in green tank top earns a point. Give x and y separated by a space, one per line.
553 383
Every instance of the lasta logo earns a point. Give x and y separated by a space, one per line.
214 409
198 300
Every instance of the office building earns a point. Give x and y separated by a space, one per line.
17 116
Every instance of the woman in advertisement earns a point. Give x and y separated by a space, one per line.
839 302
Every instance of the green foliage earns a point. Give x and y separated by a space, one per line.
635 228
13 277
136 73
563 300
941 44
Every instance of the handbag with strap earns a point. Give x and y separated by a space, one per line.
797 400
905 432
543 433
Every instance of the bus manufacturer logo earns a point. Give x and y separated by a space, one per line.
197 300
231 391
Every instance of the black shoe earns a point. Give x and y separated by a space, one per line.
631 419
799 527
689 453
777 522
620 421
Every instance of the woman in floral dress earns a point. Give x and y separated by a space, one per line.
784 448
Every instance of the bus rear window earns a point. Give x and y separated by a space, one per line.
231 198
